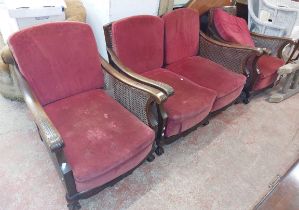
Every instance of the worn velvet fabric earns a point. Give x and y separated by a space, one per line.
231 28
189 105
102 139
58 59
138 42
181 34
235 30
268 67
227 84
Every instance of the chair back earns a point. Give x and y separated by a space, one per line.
181 34
138 42
232 29
58 60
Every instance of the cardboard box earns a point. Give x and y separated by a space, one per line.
34 12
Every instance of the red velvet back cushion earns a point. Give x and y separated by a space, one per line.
232 29
58 59
181 34
138 42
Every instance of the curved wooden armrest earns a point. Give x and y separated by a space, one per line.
48 132
257 50
273 43
267 37
233 57
167 89
159 96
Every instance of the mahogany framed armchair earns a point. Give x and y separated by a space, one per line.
261 55
97 124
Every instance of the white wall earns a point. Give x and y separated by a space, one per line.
101 12
97 17
180 2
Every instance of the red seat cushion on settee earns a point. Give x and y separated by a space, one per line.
102 139
58 59
189 105
231 28
268 66
181 40
227 84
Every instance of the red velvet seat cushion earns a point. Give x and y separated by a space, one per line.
268 66
231 28
189 105
138 42
227 84
102 139
181 34
58 59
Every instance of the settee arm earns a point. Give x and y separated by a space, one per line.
273 43
140 99
167 89
233 57
47 130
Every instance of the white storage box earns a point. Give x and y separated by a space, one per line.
33 12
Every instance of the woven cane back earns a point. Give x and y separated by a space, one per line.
276 45
223 55
133 99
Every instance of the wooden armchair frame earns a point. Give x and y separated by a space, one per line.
54 142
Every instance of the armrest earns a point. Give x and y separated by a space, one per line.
142 100
167 89
159 96
48 132
231 56
273 43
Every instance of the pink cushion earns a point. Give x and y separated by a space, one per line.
232 29
227 84
102 139
189 105
268 67
181 34
58 59
138 42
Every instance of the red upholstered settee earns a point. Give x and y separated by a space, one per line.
95 140
260 56
170 49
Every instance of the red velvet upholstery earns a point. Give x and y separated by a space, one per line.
58 59
268 66
102 139
138 42
227 84
181 34
189 105
231 28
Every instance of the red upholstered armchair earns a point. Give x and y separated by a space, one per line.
152 50
93 139
260 56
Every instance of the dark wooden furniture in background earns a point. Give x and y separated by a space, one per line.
203 6
242 9
285 194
